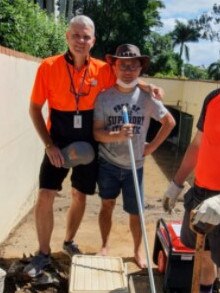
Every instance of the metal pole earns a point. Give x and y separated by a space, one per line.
140 207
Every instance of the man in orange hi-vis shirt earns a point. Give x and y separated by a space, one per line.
203 155
69 83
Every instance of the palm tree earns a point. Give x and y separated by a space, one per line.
214 70
182 34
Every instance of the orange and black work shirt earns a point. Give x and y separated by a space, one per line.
207 173
70 93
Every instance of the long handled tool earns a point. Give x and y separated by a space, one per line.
200 241
199 248
140 208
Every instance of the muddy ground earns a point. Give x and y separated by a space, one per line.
159 169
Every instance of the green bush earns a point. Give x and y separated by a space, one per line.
26 28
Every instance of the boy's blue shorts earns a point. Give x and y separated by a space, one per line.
112 180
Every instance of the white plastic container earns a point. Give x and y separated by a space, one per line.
2 280
97 274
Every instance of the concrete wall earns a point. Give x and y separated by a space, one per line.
20 148
188 95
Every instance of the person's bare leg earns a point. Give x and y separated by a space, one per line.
208 270
135 227
44 218
75 214
105 223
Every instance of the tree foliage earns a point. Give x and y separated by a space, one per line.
195 72
48 5
120 22
27 28
209 24
214 70
182 34
65 8
163 58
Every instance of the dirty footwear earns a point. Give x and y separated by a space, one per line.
37 264
70 248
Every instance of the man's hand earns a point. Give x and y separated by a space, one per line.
55 156
208 211
170 196
155 91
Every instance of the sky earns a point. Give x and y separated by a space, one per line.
204 52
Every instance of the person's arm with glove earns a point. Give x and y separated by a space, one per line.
171 195
208 211
187 166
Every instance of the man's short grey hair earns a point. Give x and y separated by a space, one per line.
83 20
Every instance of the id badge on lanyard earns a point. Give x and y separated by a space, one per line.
77 118
77 121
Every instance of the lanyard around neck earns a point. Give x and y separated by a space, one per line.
76 94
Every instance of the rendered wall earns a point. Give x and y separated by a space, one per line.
20 148
188 95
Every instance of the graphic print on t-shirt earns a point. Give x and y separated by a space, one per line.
135 116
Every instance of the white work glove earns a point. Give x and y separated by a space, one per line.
170 196
208 211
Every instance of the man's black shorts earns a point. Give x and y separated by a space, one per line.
83 177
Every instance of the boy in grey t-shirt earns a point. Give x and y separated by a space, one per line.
115 172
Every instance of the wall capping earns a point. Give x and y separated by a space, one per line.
17 54
181 79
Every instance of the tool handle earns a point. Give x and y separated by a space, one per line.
140 208
199 248
200 242
125 115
